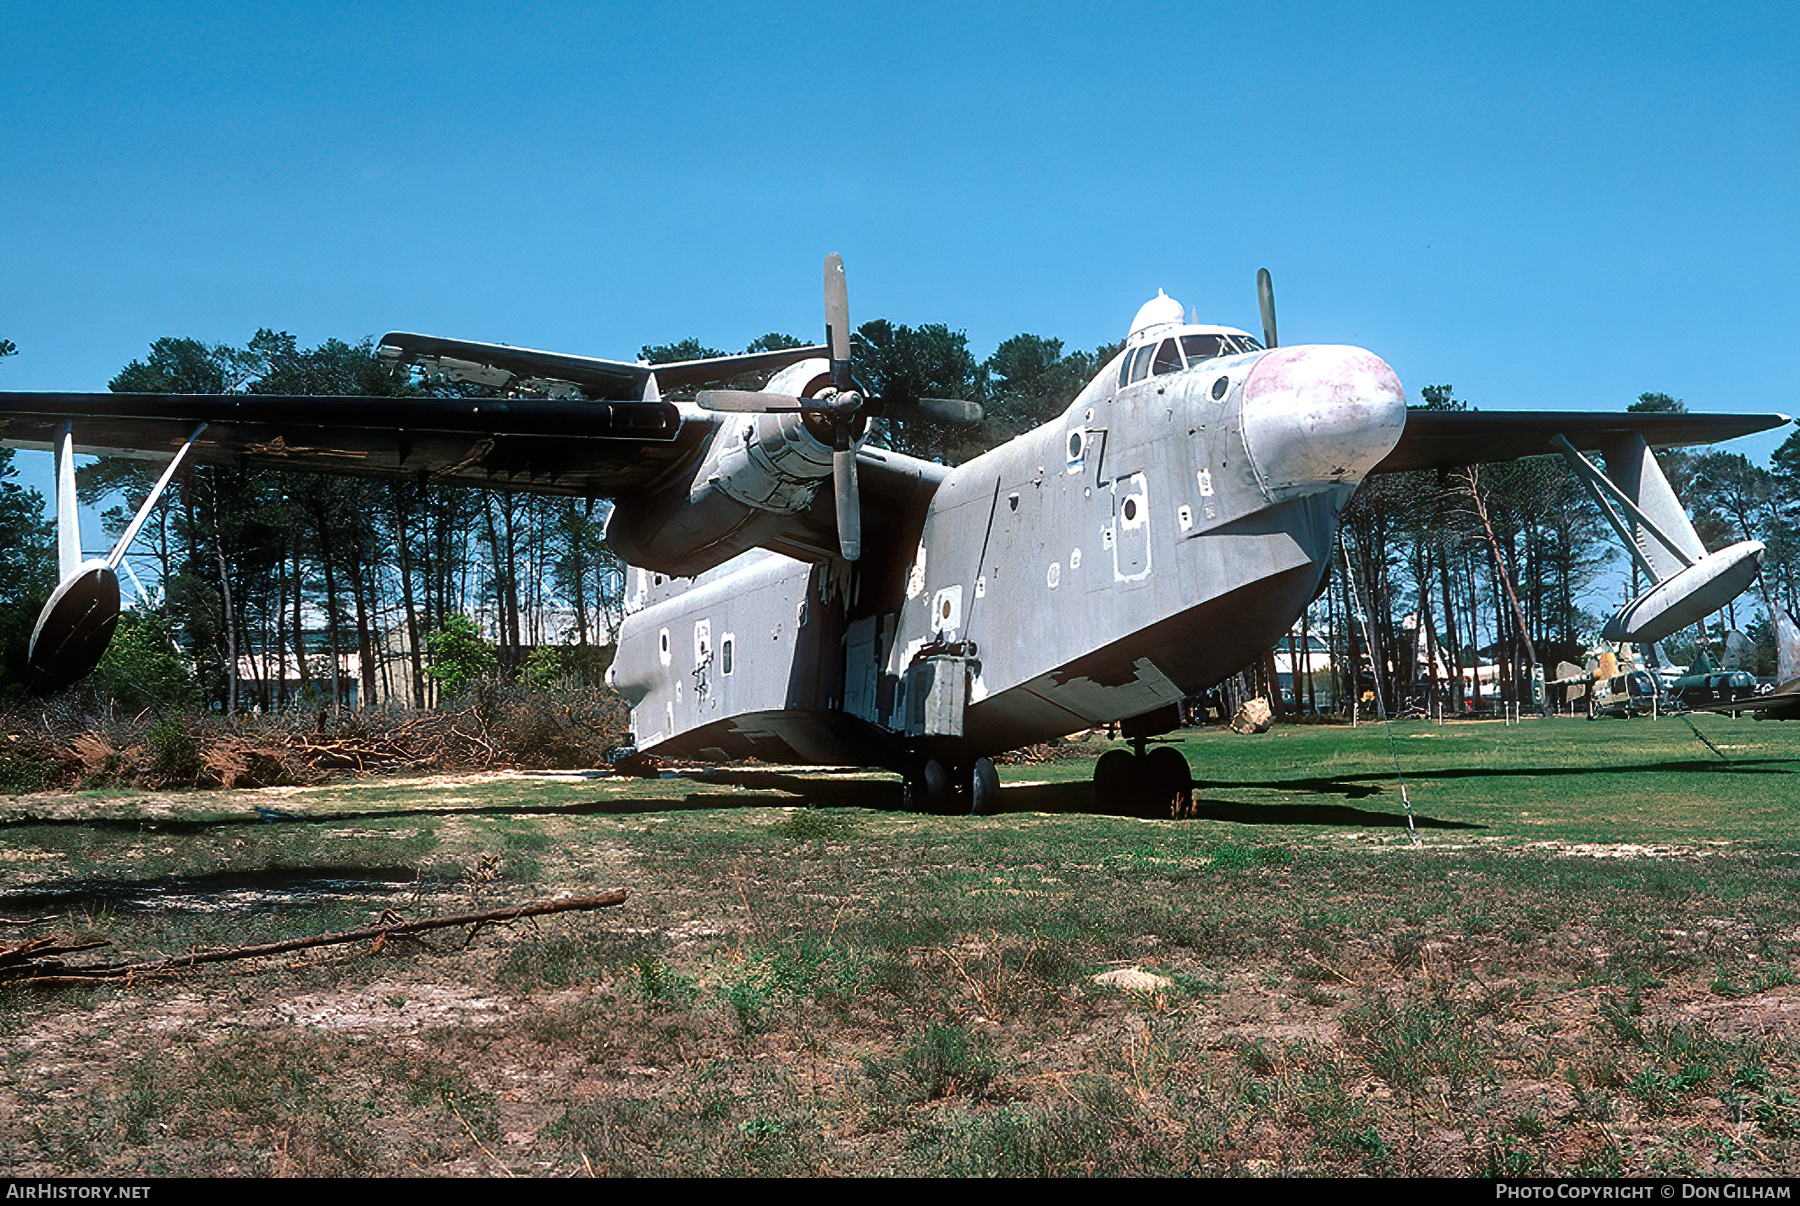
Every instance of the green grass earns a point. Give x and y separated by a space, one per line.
1586 944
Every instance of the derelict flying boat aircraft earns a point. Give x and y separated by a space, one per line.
797 594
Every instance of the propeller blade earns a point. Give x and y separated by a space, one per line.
837 320
951 410
849 505
745 401
1265 298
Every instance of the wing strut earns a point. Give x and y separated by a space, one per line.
68 514
1596 482
1686 581
149 504
77 622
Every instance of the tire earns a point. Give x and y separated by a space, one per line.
1166 780
984 788
1115 778
936 782
926 788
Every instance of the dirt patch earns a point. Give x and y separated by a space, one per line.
381 1008
1774 1014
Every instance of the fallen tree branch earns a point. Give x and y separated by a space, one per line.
42 948
66 976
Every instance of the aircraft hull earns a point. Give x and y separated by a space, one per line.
1144 649
1099 568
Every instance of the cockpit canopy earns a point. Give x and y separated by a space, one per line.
1184 348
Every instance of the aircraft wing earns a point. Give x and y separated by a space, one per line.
611 441
497 364
1450 439
547 446
1781 704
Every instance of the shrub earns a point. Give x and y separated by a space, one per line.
459 657
142 669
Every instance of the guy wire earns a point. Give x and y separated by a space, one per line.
1703 737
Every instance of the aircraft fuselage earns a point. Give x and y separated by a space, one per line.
1151 541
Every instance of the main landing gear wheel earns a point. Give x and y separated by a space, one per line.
984 788
928 789
1149 784
1114 777
1167 779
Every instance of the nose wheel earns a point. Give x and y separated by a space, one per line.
1146 783
972 787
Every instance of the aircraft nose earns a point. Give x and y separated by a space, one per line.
1316 416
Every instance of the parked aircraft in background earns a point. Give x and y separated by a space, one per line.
799 594
1782 703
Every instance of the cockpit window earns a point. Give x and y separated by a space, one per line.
1208 347
1168 358
1140 362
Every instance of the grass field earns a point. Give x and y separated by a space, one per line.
1588 963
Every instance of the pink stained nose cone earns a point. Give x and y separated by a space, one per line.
1318 416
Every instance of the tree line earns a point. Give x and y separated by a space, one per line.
312 587
1491 565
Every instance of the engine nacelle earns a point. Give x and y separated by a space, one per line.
773 463
758 470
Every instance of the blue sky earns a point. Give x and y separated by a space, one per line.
1547 206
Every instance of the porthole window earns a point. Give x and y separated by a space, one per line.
725 655
1074 444
1130 509
1219 388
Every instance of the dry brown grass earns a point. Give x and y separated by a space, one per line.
505 726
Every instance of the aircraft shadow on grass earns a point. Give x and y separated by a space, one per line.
1076 797
1739 766
775 788
219 891
778 788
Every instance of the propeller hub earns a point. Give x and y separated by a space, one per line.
836 402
